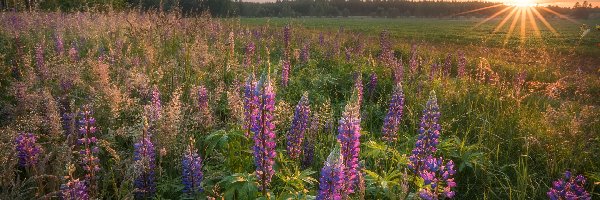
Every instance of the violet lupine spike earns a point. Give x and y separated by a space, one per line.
398 71
287 36
332 180
192 171
447 65
58 41
88 144
40 62
305 53
392 120
155 109
349 137
285 72
250 104
569 187
299 127
250 51
372 85
386 47
264 133
74 190
437 178
203 107
433 71
321 39
429 132
144 158
27 149
462 64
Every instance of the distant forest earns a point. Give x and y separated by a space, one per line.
293 8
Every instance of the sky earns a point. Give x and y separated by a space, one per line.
563 3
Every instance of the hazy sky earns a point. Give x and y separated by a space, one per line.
568 3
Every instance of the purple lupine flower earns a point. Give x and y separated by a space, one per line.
321 39
433 71
155 108
250 104
192 170
569 187
144 158
398 71
27 149
40 62
285 72
250 49
299 127
58 41
203 107
349 137
348 53
331 183
437 178
386 47
462 64
74 190
429 132
287 35
73 52
305 53
447 65
264 134
88 143
413 63
392 120
372 83
308 152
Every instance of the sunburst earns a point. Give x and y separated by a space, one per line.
522 13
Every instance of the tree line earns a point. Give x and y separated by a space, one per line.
293 8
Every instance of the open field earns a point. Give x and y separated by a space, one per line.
130 105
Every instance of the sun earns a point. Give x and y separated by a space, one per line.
521 3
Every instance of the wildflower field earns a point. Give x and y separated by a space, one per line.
153 105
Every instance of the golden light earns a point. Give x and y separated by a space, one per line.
521 3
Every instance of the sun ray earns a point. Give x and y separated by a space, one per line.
491 17
560 15
522 25
505 20
478 9
512 25
544 21
536 29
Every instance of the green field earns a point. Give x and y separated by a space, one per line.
156 88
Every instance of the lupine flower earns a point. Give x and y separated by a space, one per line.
250 48
203 106
432 71
348 53
462 64
569 187
144 157
413 63
58 41
321 39
285 72
192 170
88 143
73 53
231 40
372 83
386 47
305 53
331 183
40 63
74 190
27 149
264 134
392 120
250 103
299 127
437 178
447 65
308 152
429 133
155 108
349 137
398 71
287 34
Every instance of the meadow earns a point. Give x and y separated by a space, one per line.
130 105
